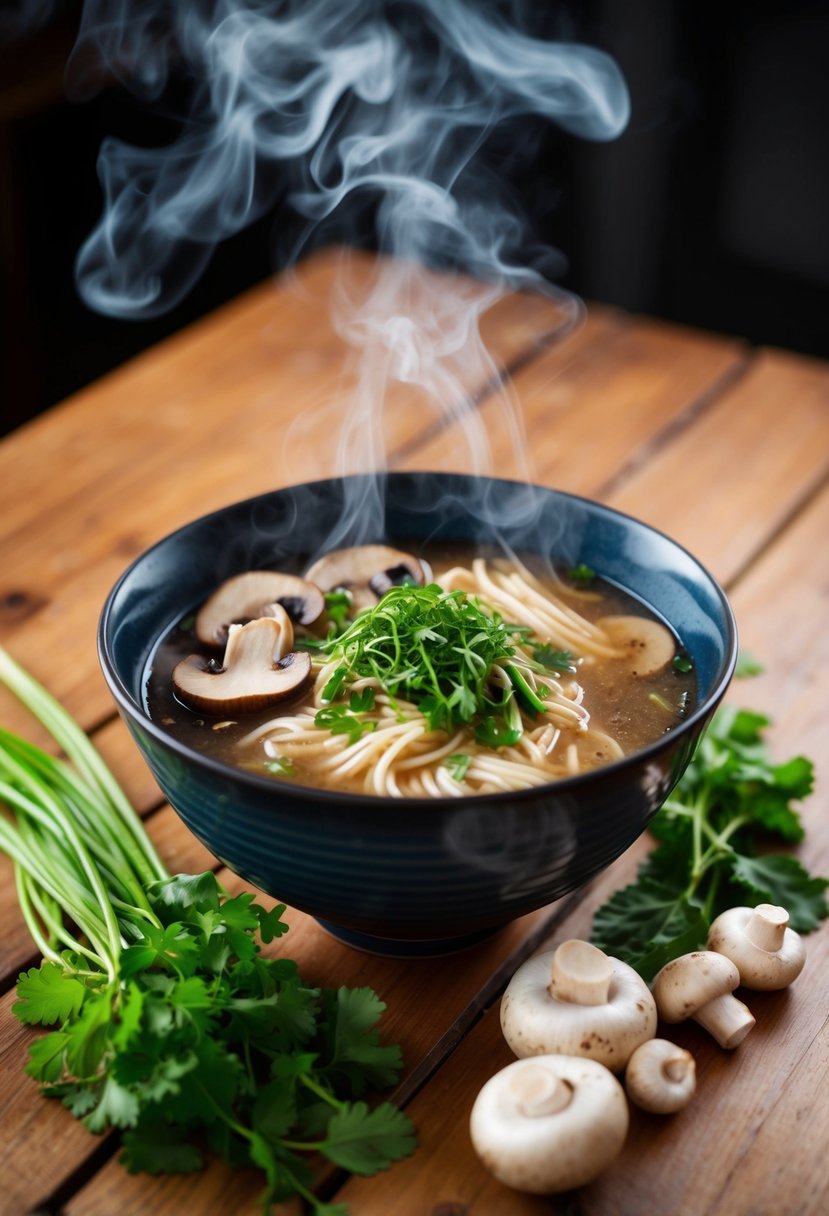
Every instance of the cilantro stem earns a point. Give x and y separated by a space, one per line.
321 1091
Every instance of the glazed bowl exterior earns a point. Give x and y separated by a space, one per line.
413 876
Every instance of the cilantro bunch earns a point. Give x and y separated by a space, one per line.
437 649
713 832
168 1023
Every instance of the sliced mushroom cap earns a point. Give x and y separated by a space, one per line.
252 595
644 645
549 1124
367 571
258 670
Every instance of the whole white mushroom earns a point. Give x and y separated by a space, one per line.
549 1123
766 952
577 1001
661 1077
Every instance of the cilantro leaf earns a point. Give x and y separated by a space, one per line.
160 1148
365 1141
47 994
705 861
355 1051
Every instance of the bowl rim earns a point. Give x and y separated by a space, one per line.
563 785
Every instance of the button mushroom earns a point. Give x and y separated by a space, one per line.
579 1002
366 571
252 595
644 645
661 1077
699 986
258 670
766 952
549 1124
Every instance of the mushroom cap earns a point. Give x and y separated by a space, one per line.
767 953
257 671
645 645
251 595
550 1123
661 1077
541 1014
367 571
687 984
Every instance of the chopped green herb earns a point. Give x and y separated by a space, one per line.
282 766
581 573
361 702
458 765
338 606
552 659
706 859
661 702
682 664
747 665
339 720
526 694
429 646
332 688
187 622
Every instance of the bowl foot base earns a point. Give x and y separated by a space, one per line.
397 947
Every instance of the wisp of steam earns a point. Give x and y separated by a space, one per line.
350 101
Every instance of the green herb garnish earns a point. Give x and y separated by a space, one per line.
706 860
432 647
338 606
168 1023
458 765
582 574
552 659
281 766
682 664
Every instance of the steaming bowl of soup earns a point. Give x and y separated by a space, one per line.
440 867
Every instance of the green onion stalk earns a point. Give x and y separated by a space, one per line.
78 848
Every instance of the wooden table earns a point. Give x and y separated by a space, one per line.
724 447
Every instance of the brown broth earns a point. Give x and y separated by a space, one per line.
634 711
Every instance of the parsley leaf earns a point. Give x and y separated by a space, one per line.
706 859
365 1141
47 994
458 765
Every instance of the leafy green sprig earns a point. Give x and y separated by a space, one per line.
168 1023
437 649
731 799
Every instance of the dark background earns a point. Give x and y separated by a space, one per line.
711 209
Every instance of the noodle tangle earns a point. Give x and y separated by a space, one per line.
397 754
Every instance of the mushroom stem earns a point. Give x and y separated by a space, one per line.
726 1019
676 1068
538 1092
766 927
581 974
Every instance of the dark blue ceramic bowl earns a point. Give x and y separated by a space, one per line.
413 876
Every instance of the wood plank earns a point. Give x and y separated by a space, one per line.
748 1096
611 400
761 448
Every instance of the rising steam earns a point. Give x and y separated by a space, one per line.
349 100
